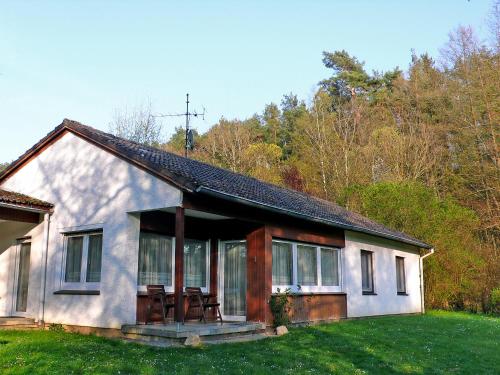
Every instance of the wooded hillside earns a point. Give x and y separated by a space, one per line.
416 150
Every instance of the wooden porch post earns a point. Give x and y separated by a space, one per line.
179 265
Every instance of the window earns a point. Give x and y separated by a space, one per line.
282 263
305 268
367 272
157 258
400 275
83 258
330 267
195 263
307 265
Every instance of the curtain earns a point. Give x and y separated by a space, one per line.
94 258
23 277
195 263
306 265
400 274
155 259
329 267
282 263
366 271
74 259
235 277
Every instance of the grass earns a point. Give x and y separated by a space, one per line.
438 342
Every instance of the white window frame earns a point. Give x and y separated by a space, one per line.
171 289
82 284
405 292
373 292
319 288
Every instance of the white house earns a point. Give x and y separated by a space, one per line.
111 216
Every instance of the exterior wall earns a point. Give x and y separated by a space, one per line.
9 232
91 188
321 307
386 300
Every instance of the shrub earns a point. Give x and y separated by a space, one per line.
280 307
56 327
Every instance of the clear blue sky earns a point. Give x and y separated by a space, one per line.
83 59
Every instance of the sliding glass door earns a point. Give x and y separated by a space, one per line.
233 279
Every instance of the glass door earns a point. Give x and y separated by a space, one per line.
23 276
233 280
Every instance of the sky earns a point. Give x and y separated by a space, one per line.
84 60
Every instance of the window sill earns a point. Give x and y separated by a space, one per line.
369 293
403 294
78 292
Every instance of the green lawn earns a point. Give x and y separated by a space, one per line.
439 342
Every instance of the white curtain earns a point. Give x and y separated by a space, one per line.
235 276
329 267
366 271
307 265
73 259
155 259
195 263
94 258
282 263
400 274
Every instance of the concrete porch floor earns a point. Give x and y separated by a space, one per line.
180 331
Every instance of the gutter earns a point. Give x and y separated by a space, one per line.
25 208
249 202
421 274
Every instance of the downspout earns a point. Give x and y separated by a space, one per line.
421 270
45 253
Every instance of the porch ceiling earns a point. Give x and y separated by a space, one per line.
199 214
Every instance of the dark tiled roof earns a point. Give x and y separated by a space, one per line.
195 176
22 200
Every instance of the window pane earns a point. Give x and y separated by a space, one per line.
306 265
282 263
94 258
195 263
329 267
400 274
155 259
73 259
366 271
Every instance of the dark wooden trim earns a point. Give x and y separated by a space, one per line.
12 214
179 265
214 259
295 234
78 292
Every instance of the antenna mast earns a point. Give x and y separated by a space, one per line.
188 138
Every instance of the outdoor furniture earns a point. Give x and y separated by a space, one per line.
157 298
196 300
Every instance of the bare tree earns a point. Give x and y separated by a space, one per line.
137 124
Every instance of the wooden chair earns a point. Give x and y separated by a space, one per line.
157 296
196 299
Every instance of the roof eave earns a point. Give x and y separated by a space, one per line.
249 202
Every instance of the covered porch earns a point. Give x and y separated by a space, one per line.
226 249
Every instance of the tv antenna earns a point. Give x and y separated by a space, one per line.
189 136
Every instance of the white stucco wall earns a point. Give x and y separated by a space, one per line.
92 188
386 300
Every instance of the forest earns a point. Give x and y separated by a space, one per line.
416 150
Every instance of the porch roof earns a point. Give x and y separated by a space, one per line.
22 201
200 178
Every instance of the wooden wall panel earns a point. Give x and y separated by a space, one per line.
11 214
318 307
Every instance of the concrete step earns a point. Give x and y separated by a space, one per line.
211 333
19 322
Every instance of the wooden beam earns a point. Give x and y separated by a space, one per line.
11 214
179 265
